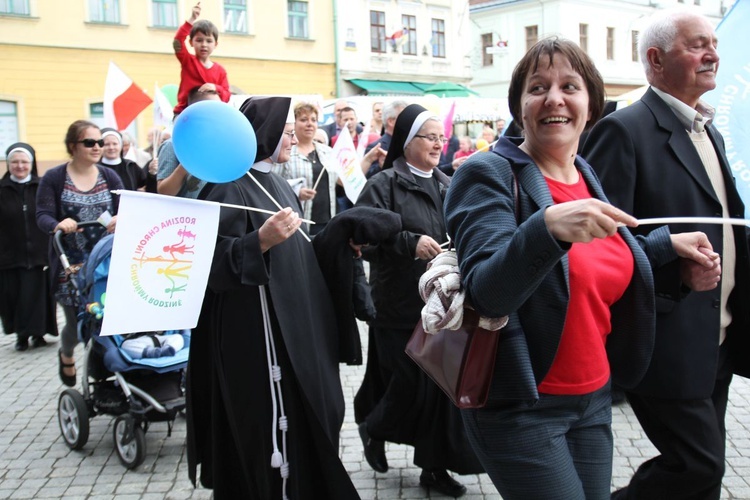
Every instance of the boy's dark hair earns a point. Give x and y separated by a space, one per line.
196 95
206 27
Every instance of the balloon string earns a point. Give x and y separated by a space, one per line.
190 200
692 220
274 201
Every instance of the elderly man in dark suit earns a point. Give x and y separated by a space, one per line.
662 157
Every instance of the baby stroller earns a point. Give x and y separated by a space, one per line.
135 391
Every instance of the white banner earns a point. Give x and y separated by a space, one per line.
350 170
163 114
161 258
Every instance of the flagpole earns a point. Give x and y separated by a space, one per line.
190 200
320 176
273 200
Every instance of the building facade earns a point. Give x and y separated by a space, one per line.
503 30
54 57
400 47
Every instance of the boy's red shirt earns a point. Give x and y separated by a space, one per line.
194 74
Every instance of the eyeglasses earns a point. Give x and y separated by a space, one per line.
434 138
90 143
290 134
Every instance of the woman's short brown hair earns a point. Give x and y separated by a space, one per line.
579 61
76 129
305 108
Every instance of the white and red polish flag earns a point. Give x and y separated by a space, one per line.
123 99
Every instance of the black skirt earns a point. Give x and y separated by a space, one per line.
26 307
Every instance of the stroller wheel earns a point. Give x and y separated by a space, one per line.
73 416
130 441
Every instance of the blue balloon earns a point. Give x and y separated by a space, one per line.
214 141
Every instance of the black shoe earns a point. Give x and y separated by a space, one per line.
69 380
38 342
22 344
440 481
374 450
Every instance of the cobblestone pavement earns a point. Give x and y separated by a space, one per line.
35 462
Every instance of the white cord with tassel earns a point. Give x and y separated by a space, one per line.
278 458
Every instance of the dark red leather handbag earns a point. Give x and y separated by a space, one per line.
461 362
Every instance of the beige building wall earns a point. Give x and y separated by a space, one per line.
54 62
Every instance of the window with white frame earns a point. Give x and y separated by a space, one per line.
235 16
16 7
610 44
532 36
583 37
438 38
164 13
377 31
410 32
634 46
8 125
104 11
486 41
297 12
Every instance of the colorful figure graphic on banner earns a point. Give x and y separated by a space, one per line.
172 264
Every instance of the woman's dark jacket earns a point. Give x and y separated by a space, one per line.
22 243
519 269
394 270
49 210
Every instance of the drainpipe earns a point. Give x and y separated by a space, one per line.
336 49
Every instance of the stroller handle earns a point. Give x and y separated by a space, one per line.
58 246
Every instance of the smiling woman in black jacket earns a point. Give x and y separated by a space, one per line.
25 304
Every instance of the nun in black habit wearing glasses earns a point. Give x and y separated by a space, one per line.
265 404
397 401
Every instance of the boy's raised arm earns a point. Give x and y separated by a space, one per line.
184 31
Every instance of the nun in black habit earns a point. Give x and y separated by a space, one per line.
265 404
397 401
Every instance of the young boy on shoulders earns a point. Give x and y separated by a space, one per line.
198 70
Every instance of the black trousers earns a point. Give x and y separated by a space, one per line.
691 437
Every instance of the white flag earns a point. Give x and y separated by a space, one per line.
163 110
350 170
161 258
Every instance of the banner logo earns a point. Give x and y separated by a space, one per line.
162 261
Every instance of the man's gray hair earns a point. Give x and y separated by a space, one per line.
392 109
661 32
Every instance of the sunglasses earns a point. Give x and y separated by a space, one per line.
90 143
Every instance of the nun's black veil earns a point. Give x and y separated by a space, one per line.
401 130
268 117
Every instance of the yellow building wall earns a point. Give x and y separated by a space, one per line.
56 86
54 63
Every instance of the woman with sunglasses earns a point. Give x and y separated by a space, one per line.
397 401
76 191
